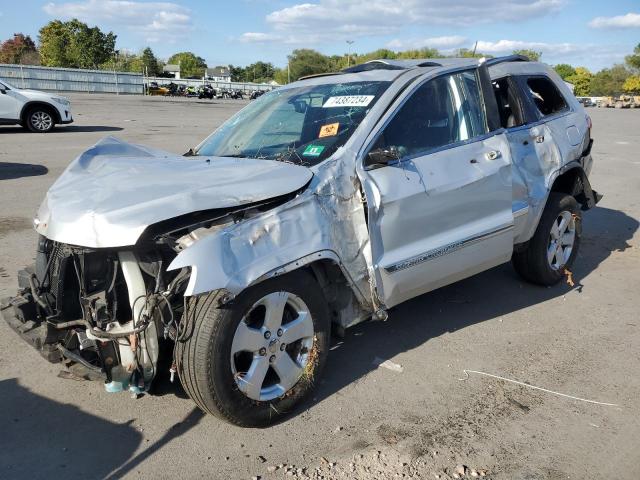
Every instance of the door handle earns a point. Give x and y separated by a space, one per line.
493 154
539 138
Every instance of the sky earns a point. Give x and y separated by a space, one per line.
589 33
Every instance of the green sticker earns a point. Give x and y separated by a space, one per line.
313 150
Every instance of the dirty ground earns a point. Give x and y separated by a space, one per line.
392 401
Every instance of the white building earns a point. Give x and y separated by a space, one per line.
172 70
218 74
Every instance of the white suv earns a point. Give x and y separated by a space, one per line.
37 111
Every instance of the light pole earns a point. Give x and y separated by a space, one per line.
349 42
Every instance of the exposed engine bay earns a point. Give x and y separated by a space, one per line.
106 312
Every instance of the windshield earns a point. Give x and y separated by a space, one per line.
303 125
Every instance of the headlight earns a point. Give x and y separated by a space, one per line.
61 101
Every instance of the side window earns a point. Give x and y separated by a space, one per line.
443 111
507 100
546 96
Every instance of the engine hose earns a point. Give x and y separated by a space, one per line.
99 333
36 297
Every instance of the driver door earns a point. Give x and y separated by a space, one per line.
442 211
8 104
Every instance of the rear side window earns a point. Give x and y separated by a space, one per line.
546 96
443 111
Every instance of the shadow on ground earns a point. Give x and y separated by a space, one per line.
11 171
44 439
486 296
61 129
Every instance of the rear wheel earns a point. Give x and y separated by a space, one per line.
39 120
554 246
252 361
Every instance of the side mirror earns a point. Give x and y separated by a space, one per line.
380 157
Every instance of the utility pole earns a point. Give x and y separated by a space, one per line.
288 72
349 42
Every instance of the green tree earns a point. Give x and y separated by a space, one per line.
150 63
303 62
467 53
74 44
259 72
237 73
564 70
581 81
609 81
632 85
532 54
190 64
633 60
20 49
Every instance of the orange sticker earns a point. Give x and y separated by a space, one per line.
329 130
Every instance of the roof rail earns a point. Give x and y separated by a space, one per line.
508 58
316 75
372 65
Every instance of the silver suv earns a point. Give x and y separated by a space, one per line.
319 205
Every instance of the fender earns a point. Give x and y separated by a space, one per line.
326 221
26 106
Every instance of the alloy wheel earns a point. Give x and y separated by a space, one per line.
561 240
41 120
272 346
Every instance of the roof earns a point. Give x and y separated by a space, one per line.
390 70
171 68
218 72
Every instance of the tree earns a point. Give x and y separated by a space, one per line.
20 49
237 73
632 85
74 44
190 64
466 53
565 70
150 63
533 55
633 60
581 81
609 81
303 62
259 72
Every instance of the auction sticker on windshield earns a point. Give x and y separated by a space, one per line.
348 101
313 150
329 130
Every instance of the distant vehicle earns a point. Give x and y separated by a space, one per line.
585 101
624 101
256 93
154 89
605 102
36 111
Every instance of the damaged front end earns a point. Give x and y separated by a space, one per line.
103 312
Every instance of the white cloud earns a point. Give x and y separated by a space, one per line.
260 37
441 43
156 21
371 14
508 46
338 20
630 20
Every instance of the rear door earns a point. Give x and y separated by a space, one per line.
442 212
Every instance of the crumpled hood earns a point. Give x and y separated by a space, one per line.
113 191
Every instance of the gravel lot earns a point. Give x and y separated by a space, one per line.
364 421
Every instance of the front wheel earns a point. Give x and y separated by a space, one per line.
253 360
554 245
39 120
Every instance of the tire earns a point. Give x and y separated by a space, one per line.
217 379
39 119
533 262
